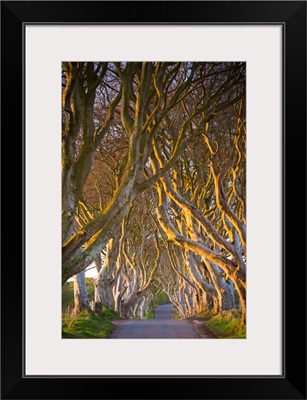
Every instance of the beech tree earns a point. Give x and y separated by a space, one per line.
206 217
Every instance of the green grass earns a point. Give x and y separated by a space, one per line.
205 314
109 313
227 325
150 313
88 325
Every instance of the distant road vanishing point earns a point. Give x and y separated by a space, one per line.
163 326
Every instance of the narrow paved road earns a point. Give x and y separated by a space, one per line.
162 327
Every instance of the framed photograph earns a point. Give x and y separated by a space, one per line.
163 156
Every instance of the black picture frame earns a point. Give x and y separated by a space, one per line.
292 16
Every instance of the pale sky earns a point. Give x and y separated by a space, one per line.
91 273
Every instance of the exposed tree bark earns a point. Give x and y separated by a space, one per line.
80 293
154 90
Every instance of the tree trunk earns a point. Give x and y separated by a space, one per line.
106 276
80 293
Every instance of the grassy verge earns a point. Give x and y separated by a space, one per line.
151 313
88 325
227 325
